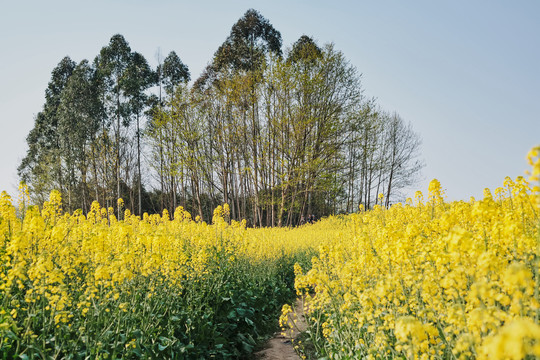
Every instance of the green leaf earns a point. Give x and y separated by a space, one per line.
221 340
164 339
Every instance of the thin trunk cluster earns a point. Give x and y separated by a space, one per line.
277 136
279 144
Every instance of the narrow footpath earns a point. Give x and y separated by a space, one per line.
281 347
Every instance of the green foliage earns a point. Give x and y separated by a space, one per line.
42 167
173 72
251 38
225 312
276 135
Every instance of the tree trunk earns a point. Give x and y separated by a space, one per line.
139 166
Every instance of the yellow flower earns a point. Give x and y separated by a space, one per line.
516 340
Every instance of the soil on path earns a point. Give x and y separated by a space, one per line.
281 347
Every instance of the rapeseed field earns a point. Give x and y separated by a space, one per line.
432 280
426 279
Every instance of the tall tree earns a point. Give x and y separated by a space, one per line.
251 39
79 117
274 137
41 167
113 62
244 53
139 78
170 73
403 150
174 72
305 50
327 88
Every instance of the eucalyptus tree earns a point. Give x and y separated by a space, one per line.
169 75
113 62
252 37
214 95
283 157
305 51
41 167
243 55
189 151
79 118
174 72
305 60
139 77
273 136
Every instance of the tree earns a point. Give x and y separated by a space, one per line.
139 78
173 72
305 50
41 167
327 88
79 119
403 151
170 74
112 64
251 39
364 149
243 56
275 136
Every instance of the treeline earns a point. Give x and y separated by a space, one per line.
274 134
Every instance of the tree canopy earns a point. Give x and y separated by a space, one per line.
276 133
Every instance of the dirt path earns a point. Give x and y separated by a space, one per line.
281 347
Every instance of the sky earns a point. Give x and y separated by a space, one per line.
465 74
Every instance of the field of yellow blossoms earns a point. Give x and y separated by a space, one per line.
432 280
427 279
93 287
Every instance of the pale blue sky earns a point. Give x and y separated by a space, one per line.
466 74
